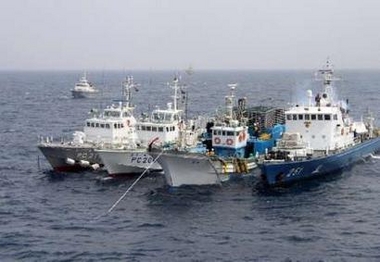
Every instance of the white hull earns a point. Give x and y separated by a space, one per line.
187 168
131 161
84 94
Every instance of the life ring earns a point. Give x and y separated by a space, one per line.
229 141
217 140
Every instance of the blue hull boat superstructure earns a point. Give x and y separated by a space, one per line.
320 138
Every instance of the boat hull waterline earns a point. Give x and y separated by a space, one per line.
122 162
67 158
289 172
186 169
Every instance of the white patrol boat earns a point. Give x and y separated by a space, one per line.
163 125
84 88
114 127
320 138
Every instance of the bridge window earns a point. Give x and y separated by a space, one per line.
335 117
328 117
97 125
307 117
313 117
148 128
108 126
288 117
160 129
154 129
294 117
320 117
231 133
300 117
102 125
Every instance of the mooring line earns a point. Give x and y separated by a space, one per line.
130 187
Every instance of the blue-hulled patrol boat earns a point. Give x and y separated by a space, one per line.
320 138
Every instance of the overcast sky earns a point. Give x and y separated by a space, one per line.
173 34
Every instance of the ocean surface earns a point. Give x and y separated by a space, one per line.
47 216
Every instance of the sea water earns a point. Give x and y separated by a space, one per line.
47 216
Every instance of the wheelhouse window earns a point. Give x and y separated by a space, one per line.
88 124
288 117
335 117
231 133
294 117
327 117
300 117
307 117
320 117
160 129
313 117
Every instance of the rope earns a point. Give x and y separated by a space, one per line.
130 187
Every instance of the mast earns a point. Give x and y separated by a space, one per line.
229 99
327 76
176 87
128 85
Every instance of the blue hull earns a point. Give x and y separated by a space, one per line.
288 172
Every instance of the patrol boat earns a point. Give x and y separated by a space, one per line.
84 88
320 139
114 127
162 124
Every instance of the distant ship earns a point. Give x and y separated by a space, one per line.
84 88
320 138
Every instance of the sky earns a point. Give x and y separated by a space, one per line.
176 34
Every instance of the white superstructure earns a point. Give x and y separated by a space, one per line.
163 126
321 125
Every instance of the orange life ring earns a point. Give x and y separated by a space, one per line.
217 140
229 141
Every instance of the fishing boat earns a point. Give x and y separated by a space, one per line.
226 150
320 139
113 127
84 88
162 124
